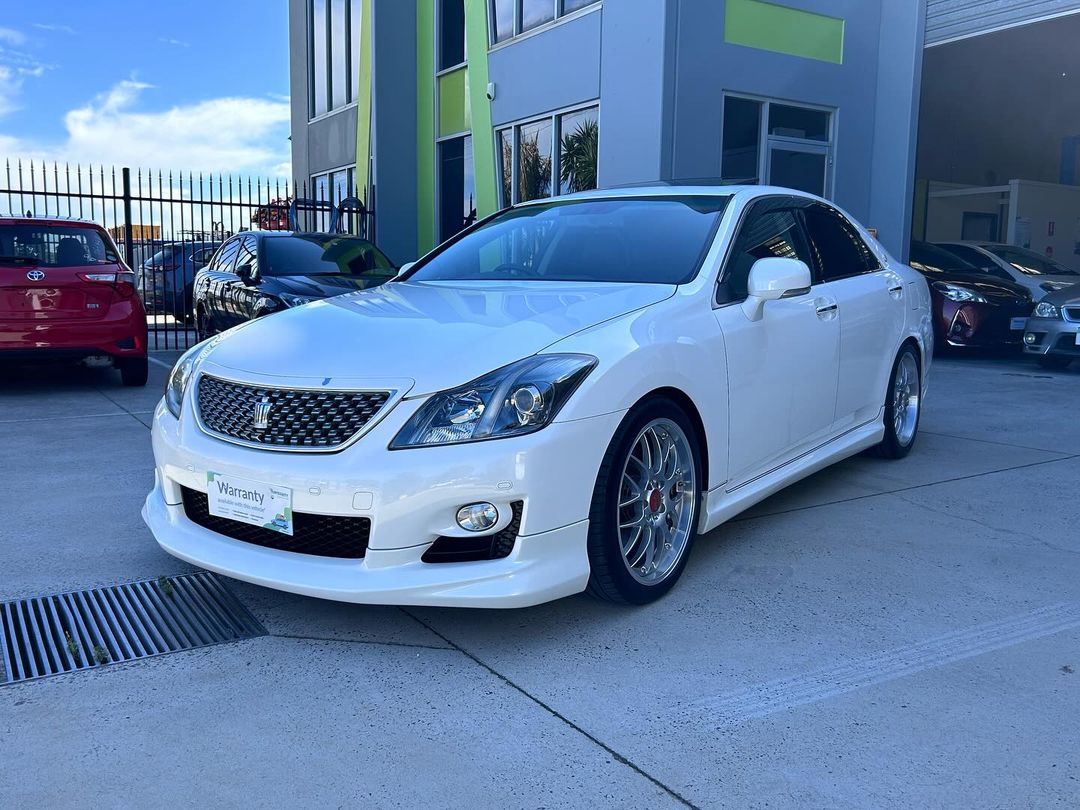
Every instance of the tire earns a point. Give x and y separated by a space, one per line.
134 371
900 433
202 325
1053 361
669 512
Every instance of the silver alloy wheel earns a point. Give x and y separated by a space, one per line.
656 501
906 399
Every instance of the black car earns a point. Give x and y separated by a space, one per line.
259 272
971 306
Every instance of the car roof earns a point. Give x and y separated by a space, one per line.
55 219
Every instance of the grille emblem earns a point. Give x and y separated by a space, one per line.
35 275
260 420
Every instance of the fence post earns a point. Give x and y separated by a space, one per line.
129 240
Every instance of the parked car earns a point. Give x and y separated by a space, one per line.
556 400
66 294
166 280
972 307
1039 274
1053 330
260 272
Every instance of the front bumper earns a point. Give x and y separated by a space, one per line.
411 498
965 323
1052 337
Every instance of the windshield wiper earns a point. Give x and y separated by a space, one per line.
20 260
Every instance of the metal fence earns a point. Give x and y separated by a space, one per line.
168 224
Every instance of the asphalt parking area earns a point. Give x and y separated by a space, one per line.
883 634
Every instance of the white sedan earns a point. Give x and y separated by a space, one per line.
560 399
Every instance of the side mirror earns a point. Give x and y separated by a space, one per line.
772 279
244 272
405 268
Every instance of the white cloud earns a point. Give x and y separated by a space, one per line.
63 29
236 134
11 36
179 43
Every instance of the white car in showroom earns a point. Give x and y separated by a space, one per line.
557 400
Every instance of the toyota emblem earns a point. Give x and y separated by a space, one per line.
35 275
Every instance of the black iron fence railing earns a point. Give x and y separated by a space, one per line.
167 225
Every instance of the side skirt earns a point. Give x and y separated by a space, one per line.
721 505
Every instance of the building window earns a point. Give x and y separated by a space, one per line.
509 18
777 144
451 34
457 186
331 187
335 54
530 165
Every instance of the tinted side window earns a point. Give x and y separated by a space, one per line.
770 229
225 260
839 250
248 254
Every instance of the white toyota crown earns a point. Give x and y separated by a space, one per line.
557 400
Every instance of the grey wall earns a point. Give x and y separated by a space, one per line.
394 131
330 142
556 68
635 81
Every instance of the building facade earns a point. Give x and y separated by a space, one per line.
460 107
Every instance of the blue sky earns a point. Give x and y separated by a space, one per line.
195 85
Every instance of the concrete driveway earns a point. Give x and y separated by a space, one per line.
883 634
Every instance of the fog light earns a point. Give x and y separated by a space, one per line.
1029 338
477 516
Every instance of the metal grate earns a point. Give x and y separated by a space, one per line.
321 535
87 629
291 418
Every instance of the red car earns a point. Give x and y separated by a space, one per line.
65 293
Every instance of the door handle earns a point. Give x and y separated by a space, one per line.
826 309
896 290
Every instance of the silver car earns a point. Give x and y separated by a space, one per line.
1053 330
1040 274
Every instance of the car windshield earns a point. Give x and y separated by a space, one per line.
1030 262
323 255
55 245
932 259
169 253
650 240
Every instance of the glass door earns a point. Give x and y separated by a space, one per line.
802 166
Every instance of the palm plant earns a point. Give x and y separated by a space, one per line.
578 157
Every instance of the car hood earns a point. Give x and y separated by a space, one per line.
1065 297
993 289
319 286
437 334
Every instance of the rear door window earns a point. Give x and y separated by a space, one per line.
55 245
838 249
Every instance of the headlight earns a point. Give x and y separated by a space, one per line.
295 300
516 399
182 373
955 293
1044 309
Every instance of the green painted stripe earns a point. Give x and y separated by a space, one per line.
453 102
425 127
483 142
783 29
363 104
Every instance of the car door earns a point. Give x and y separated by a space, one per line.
222 286
871 302
247 291
781 369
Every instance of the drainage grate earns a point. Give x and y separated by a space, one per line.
88 629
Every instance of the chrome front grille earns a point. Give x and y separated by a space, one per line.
284 418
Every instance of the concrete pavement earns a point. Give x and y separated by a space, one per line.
883 634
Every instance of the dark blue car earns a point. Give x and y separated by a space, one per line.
165 280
